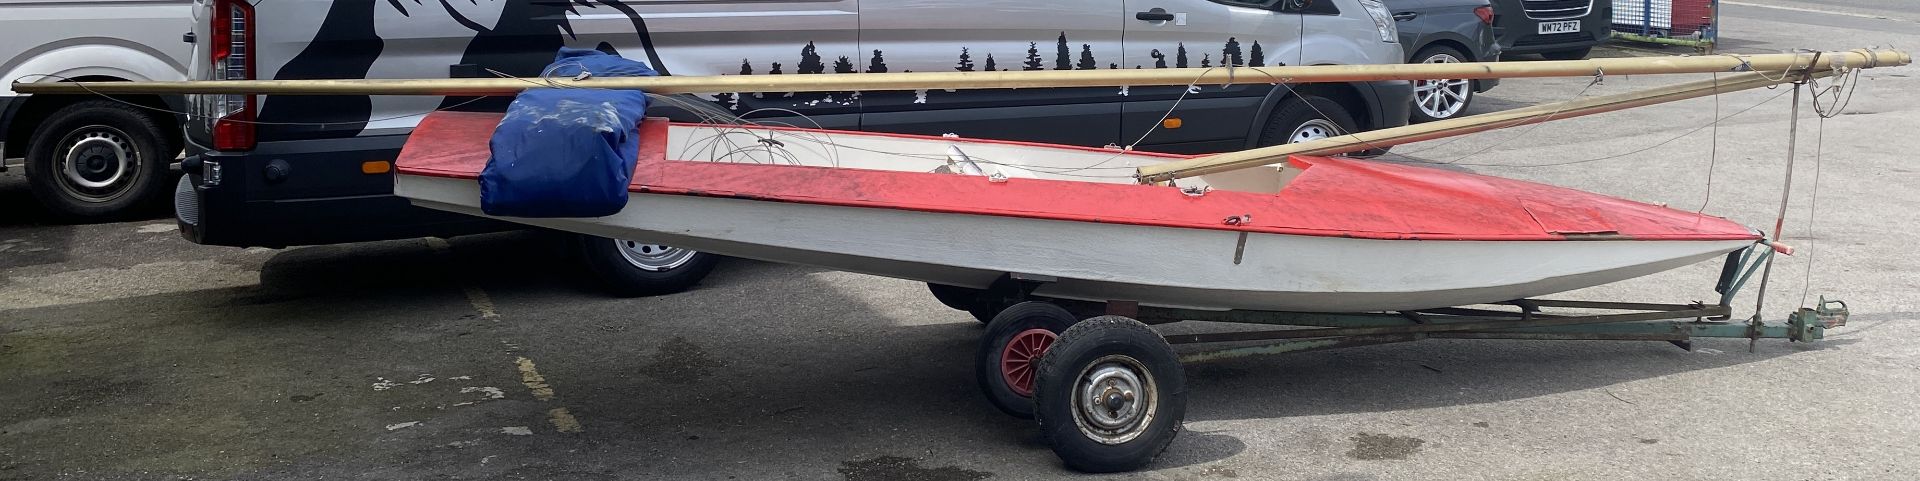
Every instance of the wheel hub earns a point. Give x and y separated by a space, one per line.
1315 129
1441 98
96 160
1114 400
653 257
1021 356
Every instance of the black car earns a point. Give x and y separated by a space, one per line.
1445 31
1555 29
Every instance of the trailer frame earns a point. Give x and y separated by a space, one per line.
1117 366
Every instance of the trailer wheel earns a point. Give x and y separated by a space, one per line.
1110 395
1010 350
964 299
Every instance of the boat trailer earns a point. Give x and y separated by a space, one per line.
1109 394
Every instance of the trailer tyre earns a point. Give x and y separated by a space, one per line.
99 159
1110 395
1011 349
634 269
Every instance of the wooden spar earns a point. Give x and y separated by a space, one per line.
1464 125
978 80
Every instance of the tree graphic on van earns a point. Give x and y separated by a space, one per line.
989 65
1033 57
1086 58
809 60
877 64
1254 57
843 65
966 62
1180 56
1061 52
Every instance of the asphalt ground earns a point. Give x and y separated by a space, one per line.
128 353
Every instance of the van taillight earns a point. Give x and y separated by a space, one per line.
232 116
1485 13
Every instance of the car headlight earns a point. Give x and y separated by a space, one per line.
1382 20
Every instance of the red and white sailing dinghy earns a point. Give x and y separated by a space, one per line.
1315 235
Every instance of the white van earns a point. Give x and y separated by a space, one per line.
297 176
93 157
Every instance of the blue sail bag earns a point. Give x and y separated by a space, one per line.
567 152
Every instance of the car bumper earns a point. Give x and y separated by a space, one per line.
304 192
1519 35
1392 102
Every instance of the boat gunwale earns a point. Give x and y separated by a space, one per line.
653 156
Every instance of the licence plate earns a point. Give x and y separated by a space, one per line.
1565 26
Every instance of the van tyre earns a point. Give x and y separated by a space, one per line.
1010 350
1304 117
1110 395
1575 54
99 159
1440 99
634 269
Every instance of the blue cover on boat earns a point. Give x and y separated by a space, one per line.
567 152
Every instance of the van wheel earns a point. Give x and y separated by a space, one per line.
98 159
633 269
1444 98
1575 54
1303 117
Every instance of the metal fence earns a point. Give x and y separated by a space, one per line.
1674 22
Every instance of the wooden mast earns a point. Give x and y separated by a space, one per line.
1009 79
1465 125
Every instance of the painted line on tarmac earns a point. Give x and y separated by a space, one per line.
560 417
531 377
482 303
1814 10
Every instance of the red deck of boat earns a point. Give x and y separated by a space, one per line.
1331 197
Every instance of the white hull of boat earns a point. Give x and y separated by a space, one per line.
1158 266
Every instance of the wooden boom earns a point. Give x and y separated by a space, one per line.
1466 125
1009 79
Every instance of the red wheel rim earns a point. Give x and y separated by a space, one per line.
1018 359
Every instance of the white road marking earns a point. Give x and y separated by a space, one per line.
516 431
423 379
404 425
490 391
1814 10
384 384
156 228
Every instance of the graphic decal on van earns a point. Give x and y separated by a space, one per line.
520 43
1231 53
345 47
